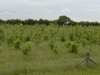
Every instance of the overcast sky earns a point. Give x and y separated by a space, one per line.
77 10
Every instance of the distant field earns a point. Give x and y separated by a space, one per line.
48 50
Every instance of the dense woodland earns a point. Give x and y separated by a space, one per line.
60 21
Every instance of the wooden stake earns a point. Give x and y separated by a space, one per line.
87 60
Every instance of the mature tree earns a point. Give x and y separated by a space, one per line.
1 21
46 22
10 21
63 20
41 21
17 21
29 22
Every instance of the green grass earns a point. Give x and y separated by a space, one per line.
41 60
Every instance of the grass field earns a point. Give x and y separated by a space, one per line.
43 59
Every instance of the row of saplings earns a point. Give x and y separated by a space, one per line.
17 43
72 46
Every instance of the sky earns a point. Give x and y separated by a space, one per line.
77 10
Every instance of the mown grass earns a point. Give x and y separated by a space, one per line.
41 60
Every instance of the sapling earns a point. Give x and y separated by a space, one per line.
72 47
2 35
45 37
52 44
27 38
63 39
71 36
55 50
1 48
10 41
37 38
27 47
43 26
84 42
17 44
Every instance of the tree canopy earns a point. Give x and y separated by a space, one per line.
62 20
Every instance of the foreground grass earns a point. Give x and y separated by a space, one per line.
42 61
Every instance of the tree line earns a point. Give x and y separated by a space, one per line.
62 20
